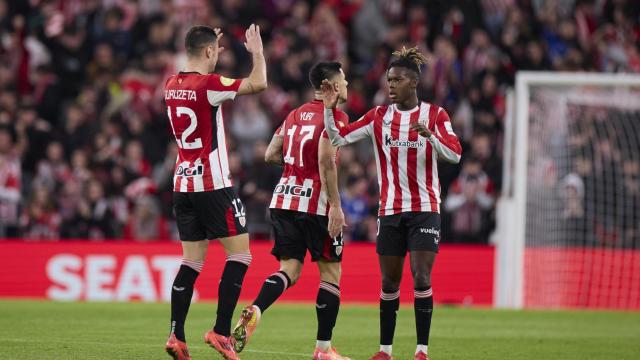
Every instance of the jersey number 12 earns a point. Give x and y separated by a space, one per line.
182 142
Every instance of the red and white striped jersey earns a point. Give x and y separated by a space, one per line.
300 187
194 107
406 161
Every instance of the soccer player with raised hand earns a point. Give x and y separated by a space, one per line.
305 212
205 204
408 137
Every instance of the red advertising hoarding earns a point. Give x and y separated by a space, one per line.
130 271
582 277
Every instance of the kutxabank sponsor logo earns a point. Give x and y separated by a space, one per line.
391 142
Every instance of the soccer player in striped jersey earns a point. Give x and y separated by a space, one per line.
205 204
408 137
305 212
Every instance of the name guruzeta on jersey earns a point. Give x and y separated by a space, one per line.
180 95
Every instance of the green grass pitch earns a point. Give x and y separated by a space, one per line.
50 330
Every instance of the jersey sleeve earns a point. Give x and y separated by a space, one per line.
280 130
221 89
444 140
342 119
348 133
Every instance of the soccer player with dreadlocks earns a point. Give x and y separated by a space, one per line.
408 137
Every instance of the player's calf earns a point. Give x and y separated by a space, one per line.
229 290
327 307
181 294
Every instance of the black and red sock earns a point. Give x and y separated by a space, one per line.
274 286
181 294
423 308
327 306
389 305
229 290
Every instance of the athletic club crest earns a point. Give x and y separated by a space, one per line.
242 220
337 244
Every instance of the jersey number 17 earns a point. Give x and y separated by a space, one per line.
306 133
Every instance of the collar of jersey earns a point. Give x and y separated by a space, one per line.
395 107
188 72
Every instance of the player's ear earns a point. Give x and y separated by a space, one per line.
414 82
210 51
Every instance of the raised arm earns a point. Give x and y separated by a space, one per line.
329 179
444 141
257 79
349 133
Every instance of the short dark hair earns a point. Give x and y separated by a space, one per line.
410 59
197 38
323 70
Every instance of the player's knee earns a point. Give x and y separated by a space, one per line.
195 250
330 272
292 268
421 279
294 276
390 284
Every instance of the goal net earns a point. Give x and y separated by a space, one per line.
569 218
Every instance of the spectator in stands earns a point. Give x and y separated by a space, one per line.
482 151
469 200
93 216
258 182
90 78
146 221
52 170
355 204
41 220
249 124
576 230
10 184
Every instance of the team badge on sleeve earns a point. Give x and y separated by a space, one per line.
226 81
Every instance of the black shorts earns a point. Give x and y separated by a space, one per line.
296 232
409 231
209 214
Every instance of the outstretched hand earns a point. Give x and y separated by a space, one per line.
253 39
330 94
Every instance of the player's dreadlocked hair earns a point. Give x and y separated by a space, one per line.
410 58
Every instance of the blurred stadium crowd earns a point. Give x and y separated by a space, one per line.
85 146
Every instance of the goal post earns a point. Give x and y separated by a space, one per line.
568 224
